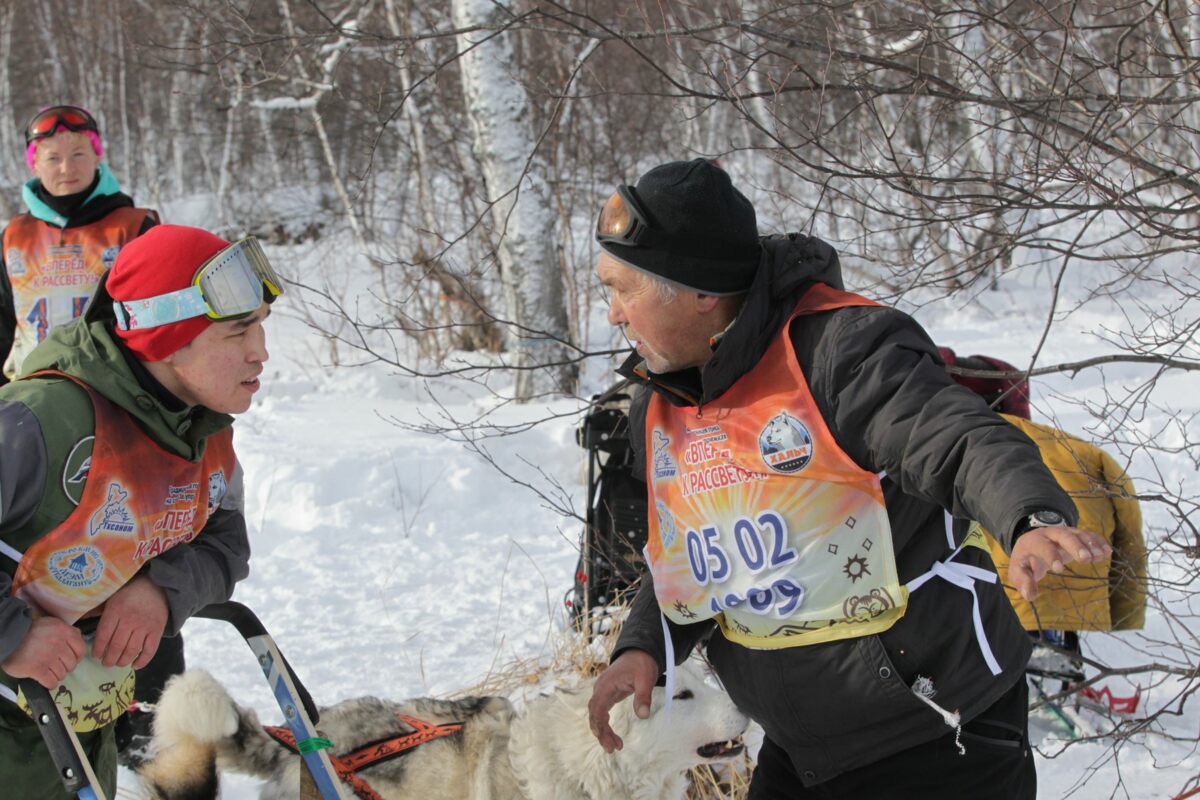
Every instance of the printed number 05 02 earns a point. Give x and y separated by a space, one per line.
710 562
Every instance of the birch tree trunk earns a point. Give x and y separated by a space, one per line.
521 204
53 57
223 180
179 143
320 88
10 145
122 92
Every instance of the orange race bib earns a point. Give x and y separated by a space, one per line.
760 519
54 271
138 502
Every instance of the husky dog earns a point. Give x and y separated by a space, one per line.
546 753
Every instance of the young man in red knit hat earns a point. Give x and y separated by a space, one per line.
121 508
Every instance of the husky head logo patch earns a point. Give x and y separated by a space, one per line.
109 256
785 444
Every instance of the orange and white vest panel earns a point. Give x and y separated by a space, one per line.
53 271
138 502
760 520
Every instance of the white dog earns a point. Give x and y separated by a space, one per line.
546 753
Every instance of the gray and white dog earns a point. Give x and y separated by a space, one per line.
545 753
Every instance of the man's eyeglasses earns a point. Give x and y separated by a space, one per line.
45 123
228 285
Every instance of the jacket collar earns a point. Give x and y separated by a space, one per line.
89 351
107 185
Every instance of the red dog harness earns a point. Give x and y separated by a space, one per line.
349 765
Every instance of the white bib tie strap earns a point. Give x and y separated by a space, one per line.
964 576
8 694
11 552
669 651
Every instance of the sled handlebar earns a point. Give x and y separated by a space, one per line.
64 747
247 623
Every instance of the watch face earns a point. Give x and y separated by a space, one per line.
1047 518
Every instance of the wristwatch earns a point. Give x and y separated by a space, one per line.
1044 519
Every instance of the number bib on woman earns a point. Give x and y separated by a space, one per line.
53 271
759 519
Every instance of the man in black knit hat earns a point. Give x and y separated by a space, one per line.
800 443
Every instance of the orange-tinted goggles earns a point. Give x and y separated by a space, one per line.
45 123
621 220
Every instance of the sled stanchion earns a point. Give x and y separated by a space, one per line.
615 523
299 712
71 763
247 623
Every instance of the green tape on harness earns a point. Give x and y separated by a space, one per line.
313 744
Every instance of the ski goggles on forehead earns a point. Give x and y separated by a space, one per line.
45 123
231 284
622 220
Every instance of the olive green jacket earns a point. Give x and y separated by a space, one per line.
45 425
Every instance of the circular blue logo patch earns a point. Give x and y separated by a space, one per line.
785 444
76 567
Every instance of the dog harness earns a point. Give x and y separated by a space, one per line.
349 765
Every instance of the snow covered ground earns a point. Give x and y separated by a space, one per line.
399 563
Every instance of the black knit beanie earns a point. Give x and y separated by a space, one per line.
706 231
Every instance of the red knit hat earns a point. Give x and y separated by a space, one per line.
163 259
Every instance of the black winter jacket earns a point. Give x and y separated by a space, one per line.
884 394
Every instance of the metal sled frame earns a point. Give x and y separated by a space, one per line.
74 769
595 440
299 711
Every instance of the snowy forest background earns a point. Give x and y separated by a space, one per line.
442 162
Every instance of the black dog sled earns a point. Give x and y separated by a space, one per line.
614 531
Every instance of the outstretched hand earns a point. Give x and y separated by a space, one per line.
1042 550
131 624
633 673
